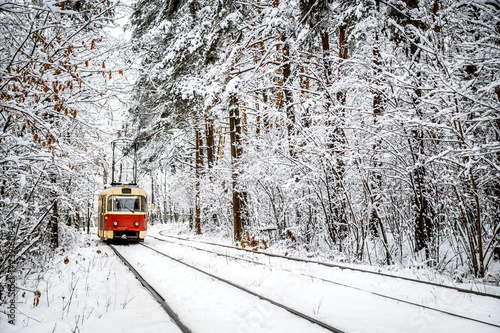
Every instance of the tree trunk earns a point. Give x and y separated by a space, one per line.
198 171
375 222
304 92
239 208
54 219
423 225
287 94
209 134
325 44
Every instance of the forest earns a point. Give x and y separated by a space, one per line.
367 131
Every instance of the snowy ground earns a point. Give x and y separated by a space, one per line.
87 289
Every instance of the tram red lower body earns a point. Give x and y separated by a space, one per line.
126 222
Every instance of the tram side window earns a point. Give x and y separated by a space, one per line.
110 203
101 202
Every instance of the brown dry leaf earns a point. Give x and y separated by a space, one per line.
36 301
66 261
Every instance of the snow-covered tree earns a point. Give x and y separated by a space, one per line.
364 127
54 86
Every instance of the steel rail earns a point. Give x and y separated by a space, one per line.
154 293
340 284
295 312
462 290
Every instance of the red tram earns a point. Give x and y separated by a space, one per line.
123 213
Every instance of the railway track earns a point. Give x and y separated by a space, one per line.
400 300
175 317
458 289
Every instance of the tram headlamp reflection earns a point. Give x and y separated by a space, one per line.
136 224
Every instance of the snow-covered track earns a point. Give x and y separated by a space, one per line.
232 284
399 300
327 264
154 293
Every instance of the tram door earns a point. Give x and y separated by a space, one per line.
102 212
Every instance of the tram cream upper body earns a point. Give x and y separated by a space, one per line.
119 191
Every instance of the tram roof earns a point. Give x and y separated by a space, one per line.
119 189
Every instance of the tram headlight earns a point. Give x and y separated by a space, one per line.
115 223
136 224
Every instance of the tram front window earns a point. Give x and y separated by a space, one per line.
127 203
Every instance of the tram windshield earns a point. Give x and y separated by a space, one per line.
122 203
